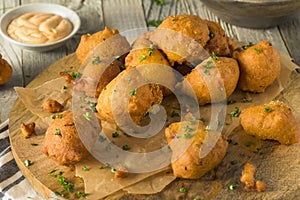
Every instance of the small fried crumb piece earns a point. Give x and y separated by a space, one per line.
121 172
248 176
28 129
52 106
260 186
67 76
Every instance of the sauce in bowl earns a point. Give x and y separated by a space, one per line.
39 28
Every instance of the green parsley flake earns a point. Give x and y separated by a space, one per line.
27 163
75 74
159 2
125 147
232 101
85 168
258 51
96 60
174 114
143 57
87 116
235 112
93 106
188 129
65 87
249 143
151 49
247 45
188 135
133 92
268 109
57 131
214 56
117 57
245 100
206 71
208 128
182 190
233 162
233 186
115 134
113 170
211 34
81 194
89 35
209 64
155 23
34 144
56 116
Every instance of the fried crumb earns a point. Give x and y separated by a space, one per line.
260 186
52 106
67 76
248 176
121 172
28 129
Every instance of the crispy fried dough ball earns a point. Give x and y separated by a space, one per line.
181 37
89 42
218 42
52 106
259 66
248 176
119 94
62 143
187 163
209 79
274 121
5 71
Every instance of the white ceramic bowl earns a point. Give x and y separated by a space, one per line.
39 7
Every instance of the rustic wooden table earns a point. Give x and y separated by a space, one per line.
125 14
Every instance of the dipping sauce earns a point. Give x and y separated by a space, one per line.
39 28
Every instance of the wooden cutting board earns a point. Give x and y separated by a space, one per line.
275 162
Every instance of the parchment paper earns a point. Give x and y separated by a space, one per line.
270 153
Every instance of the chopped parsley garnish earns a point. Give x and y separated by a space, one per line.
229 141
268 109
113 170
206 71
155 23
193 121
75 74
125 147
81 194
85 168
151 49
188 129
68 186
65 87
174 114
245 100
258 51
115 134
233 162
96 60
159 2
34 144
87 116
57 131
208 128
211 34
231 101
188 135
233 186
209 64
214 56
93 106
247 45
133 92
89 35
52 171
27 163
107 165
56 116
123 67
117 57
222 123
235 112
182 190
143 57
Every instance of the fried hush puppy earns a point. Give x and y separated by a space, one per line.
274 121
5 71
52 106
119 99
62 143
182 38
209 79
186 140
89 42
259 66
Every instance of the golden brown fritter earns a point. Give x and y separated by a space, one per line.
62 142
122 91
182 38
274 121
5 71
259 66
218 42
186 140
144 56
89 42
209 79
52 106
